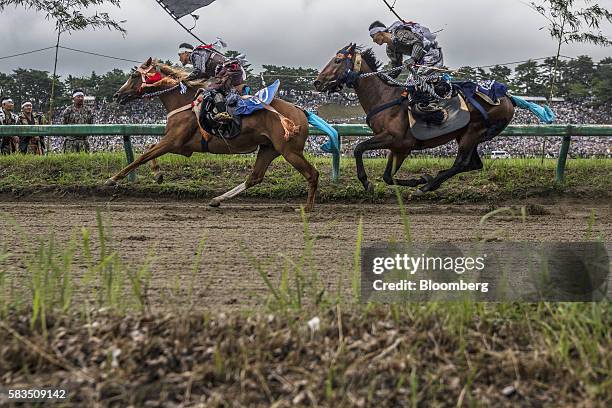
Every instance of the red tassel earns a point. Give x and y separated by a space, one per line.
154 78
290 128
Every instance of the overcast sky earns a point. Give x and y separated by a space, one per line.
290 32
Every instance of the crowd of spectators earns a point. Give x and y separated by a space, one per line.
311 100
149 112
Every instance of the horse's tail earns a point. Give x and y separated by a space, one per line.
333 144
543 113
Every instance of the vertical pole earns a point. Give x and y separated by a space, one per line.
129 155
562 159
552 79
52 97
336 161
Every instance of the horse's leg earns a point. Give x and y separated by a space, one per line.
465 161
157 174
265 156
297 160
159 149
475 161
394 163
380 141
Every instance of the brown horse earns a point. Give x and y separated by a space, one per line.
262 130
391 127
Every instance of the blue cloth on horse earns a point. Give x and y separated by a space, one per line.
468 89
493 89
247 106
544 113
333 144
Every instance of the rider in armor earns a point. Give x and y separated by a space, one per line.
227 78
199 59
226 73
416 41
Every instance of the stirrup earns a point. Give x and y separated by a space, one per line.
222 117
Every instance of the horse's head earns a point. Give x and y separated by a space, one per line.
142 78
339 71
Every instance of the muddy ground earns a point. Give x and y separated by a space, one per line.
273 232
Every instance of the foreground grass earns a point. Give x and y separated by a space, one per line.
429 355
307 347
204 176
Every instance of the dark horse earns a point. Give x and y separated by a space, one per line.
391 127
280 133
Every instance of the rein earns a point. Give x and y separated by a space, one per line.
183 89
161 92
181 86
352 74
144 74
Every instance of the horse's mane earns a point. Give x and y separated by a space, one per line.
178 73
370 58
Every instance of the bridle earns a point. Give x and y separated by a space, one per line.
146 76
352 69
352 74
143 76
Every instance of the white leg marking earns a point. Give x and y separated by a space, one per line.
232 193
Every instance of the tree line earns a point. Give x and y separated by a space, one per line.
577 78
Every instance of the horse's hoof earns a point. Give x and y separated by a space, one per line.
214 203
110 183
418 192
159 178
370 188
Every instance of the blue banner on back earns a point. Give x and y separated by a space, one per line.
247 106
544 113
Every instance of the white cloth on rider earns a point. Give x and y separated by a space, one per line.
377 30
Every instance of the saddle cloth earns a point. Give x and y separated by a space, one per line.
248 104
456 116
237 106
489 91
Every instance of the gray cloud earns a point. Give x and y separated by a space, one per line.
290 32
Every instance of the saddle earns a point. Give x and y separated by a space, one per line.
204 108
238 105
428 121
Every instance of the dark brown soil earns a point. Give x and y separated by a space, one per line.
170 231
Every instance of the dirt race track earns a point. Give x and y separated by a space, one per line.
228 279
